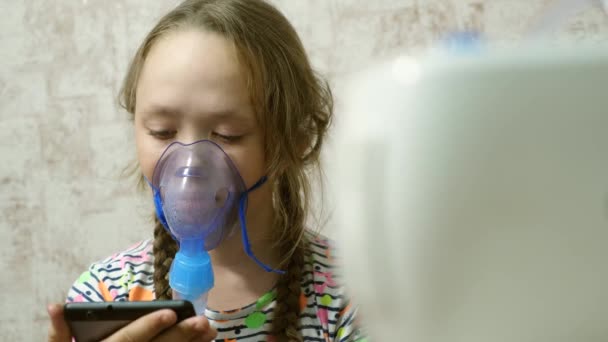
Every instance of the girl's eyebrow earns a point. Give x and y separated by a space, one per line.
162 111
229 116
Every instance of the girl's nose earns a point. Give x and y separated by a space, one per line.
190 135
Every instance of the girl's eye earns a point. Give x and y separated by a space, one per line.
163 135
227 138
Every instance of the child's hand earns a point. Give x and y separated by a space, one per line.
158 326
59 330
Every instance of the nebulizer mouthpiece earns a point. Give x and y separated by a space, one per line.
199 197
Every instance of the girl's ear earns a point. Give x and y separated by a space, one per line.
303 146
302 149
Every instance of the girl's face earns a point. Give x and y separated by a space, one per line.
192 87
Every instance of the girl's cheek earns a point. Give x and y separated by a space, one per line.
148 155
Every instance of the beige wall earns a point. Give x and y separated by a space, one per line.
63 141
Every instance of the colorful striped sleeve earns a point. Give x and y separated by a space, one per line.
334 307
123 276
349 329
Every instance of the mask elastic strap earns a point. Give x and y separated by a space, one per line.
246 244
257 184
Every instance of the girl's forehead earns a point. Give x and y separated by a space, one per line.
193 56
193 68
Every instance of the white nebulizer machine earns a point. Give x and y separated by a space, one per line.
471 194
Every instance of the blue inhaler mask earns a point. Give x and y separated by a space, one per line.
200 198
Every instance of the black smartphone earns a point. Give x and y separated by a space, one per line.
92 322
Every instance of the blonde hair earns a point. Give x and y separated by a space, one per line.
294 107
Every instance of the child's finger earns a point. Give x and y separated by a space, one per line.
192 329
59 330
145 328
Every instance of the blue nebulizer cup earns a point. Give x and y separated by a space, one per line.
191 275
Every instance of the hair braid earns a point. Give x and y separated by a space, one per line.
292 245
164 249
285 324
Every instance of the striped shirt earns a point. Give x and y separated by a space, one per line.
326 313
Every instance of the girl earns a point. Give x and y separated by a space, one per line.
233 72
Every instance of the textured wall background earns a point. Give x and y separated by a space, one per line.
64 142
